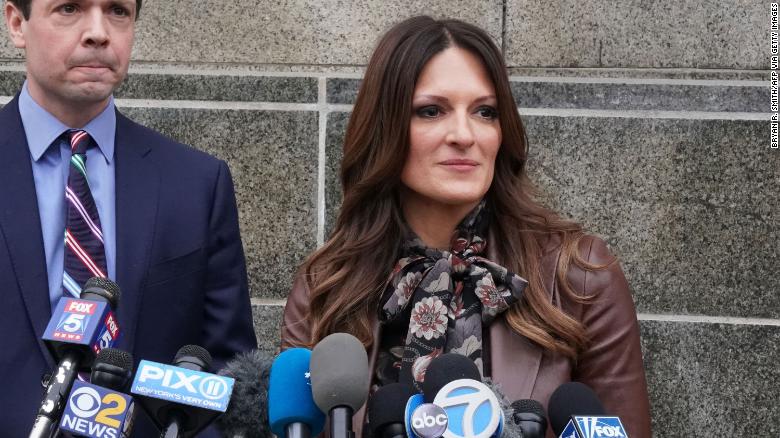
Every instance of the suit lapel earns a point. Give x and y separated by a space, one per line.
21 223
137 185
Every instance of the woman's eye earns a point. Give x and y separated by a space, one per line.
428 112
487 112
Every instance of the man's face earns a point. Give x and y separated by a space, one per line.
77 52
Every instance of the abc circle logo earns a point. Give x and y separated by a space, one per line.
429 421
85 402
213 387
482 415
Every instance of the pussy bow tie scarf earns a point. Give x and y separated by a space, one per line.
452 295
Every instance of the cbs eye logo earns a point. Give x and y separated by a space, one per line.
85 402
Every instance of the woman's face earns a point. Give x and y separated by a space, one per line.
454 132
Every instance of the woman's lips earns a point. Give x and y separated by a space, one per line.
459 164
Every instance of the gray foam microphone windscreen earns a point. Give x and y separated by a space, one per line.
339 372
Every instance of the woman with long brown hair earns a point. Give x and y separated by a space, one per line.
440 245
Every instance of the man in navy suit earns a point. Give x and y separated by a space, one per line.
165 213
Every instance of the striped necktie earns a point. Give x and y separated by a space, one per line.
85 256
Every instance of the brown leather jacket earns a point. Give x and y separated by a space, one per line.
611 365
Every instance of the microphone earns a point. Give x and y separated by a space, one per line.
182 399
77 331
113 369
455 403
472 409
529 416
100 409
339 380
576 412
247 412
292 411
446 368
386 410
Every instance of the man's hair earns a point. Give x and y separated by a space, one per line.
24 5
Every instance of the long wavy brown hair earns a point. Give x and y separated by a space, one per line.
348 274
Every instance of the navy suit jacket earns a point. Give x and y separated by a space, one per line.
179 262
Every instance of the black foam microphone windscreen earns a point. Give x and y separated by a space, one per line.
247 413
572 398
386 408
445 369
530 417
193 357
339 372
102 289
112 369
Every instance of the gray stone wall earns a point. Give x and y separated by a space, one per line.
648 122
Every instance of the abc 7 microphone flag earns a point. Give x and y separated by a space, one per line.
463 408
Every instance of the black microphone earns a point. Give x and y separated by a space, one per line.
247 413
339 380
113 369
445 369
453 382
576 412
177 417
387 410
572 398
101 408
529 415
77 331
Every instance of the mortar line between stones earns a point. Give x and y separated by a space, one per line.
218 105
731 320
503 28
644 114
322 97
326 108
268 302
640 81
641 316
243 72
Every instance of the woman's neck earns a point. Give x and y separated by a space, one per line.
433 222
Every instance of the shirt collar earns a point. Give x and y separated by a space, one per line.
42 128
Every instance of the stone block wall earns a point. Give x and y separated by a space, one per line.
647 120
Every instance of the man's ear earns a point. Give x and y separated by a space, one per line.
14 20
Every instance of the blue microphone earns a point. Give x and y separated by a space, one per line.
576 412
100 409
77 331
292 412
